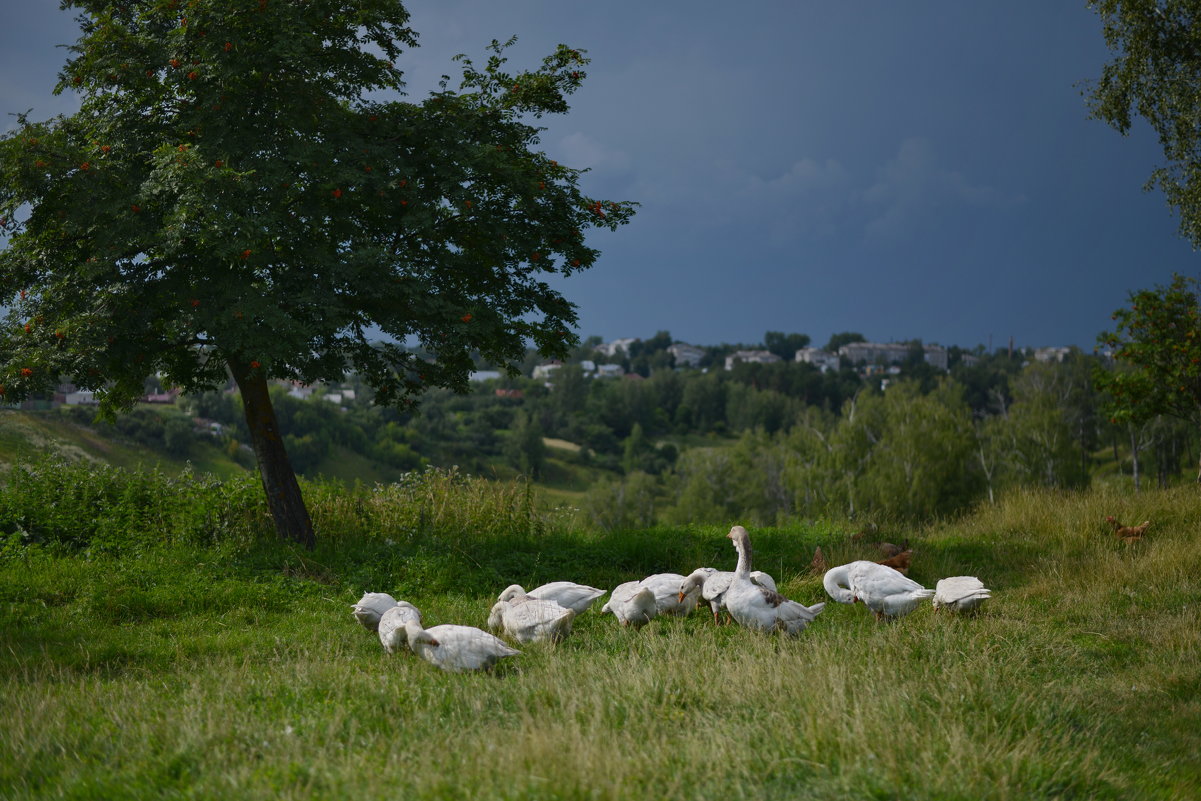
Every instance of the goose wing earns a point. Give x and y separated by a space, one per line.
568 594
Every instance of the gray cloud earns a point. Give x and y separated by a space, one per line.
913 190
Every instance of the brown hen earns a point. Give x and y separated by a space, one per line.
1128 534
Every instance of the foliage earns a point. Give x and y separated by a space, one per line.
1042 447
1155 75
919 463
209 205
1157 345
78 505
785 345
844 338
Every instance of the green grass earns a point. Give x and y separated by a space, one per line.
219 664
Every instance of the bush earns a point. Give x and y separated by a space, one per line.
83 505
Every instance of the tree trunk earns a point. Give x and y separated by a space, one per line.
1198 469
1134 456
279 480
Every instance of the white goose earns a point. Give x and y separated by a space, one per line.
528 619
567 594
668 599
714 583
758 607
882 589
632 604
371 607
960 593
392 625
457 648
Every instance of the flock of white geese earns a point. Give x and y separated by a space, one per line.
748 597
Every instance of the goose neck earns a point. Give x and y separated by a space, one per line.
743 546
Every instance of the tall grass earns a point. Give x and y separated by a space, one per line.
230 667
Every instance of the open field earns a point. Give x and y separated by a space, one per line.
221 665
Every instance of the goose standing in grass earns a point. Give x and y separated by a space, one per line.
757 607
567 594
392 624
371 608
883 590
960 593
527 619
457 648
714 583
632 604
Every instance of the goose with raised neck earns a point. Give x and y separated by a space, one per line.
758 607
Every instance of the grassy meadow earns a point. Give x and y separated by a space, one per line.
156 642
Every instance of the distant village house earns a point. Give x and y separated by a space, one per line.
891 353
824 360
611 349
686 355
752 356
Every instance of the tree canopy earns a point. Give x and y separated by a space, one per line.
1156 345
244 190
1156 75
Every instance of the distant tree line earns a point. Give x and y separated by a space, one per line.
760 442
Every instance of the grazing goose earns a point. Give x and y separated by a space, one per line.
666 587
457 648
758 607
567 594
528 619
882 589
714 583
632 604
960 593
392 625
371 607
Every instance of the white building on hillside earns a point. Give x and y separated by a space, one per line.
544 371
891 353
755 356
1051 354
611 349
822 359
609 371
686 355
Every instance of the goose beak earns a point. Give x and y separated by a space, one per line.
681 598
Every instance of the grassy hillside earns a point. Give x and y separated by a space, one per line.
179 652
28 435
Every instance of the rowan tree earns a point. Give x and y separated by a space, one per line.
246 191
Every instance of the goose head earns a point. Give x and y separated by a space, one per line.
695 580
833 581
511 592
